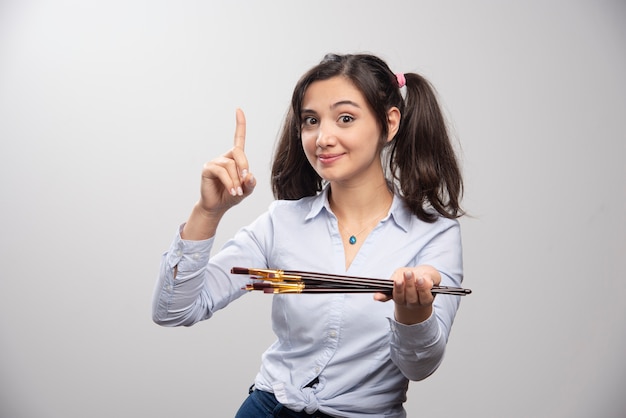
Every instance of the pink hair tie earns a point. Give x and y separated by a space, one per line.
401 80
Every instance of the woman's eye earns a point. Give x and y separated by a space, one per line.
309 121
345 118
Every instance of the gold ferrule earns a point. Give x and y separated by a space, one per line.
274 275
288 287
266 273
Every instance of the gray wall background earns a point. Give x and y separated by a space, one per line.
109 109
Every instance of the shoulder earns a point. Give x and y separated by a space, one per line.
444 233
440 224
300 207
407 220
441 230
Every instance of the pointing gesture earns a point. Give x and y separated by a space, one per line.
226 181
240 129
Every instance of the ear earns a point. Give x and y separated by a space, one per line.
393 122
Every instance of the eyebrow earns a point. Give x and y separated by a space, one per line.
343 102
335 105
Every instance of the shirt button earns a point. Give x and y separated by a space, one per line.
317 370
195 256
179 253
332 334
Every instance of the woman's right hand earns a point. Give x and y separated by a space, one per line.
226 181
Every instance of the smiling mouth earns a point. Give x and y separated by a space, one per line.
328 158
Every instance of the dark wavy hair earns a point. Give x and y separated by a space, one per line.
420 161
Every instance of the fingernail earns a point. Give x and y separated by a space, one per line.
239 191
244 173
420 280
233 192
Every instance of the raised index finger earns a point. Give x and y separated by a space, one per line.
240 129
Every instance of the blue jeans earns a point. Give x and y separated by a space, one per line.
262 404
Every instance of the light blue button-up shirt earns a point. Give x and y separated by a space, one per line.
362 357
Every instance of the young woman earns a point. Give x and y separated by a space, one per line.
367 184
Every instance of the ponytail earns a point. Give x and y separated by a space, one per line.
422 160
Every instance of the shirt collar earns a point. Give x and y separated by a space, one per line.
320 201
400 214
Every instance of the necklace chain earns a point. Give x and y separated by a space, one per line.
352 239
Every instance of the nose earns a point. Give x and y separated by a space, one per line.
325 136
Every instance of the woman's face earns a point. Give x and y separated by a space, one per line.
340 134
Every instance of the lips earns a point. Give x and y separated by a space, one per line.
328 158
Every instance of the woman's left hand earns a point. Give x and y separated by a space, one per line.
412 293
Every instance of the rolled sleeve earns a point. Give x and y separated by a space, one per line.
417 349
180 282
189 256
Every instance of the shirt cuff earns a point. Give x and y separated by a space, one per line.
189 255
417 336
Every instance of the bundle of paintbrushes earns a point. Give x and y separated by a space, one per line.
287 281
